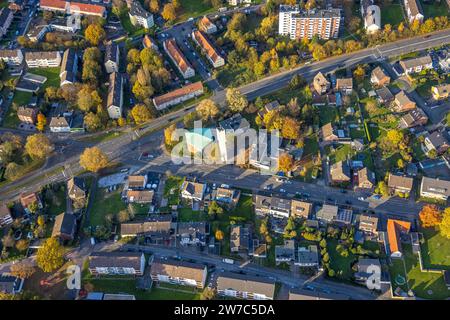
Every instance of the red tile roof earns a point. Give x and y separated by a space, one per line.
206 45
87 8
176 55
394 227
59 4
178 93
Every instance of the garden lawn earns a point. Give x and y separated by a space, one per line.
243 210
340 153
57 205
172 189
392 14
129 287
105 203
339 263
435 250
139 209
327 115
187 215
22 98
52 75
424 284
11 120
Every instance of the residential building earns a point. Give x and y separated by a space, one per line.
177 57
327 214
385 95
140 196
60 24
240 237
403 103
262 204
321 84
280 207
76 189
10 284
16 5
344 216
437 141
112 59
273 105
395 230
114 102
6 17
285 252
340 172
156 228
304 294
344 85
415 65
59 124
148 42
413 119
366 179
238 2
245 286
371 16
400 184
192 190
307 256
368 223
5 215
116 263
231 134
192 233
441 91
300 209
177 96
65 227
11 57
299 24
69 67
179 273
327 133
27 115
379 77
435 188
413 10
29 199
208 49
43 59
137 182
139 16
365 270
227 196
54 5
87 9
207 26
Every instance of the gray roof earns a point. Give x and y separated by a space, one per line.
437 139
246 283
136 9
115 259
303 294
285 251
195 230
76 187
416 62
58 122
9 284
368 221
65 224
4 13
114 89
111 51
38 55
344 216
315 14
436 186
68 61
328 212
179 269
240 237
385 94
234 123
155 225
308 255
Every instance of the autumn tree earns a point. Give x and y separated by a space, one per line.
141 113
154 6
359 73
285 163
50 256
92 122
93 159
382 189
38 146
290 129
236 100
95 34
88 99
444 226
214 209
219 235
168 135
207 109
169 12
41 122
22 270
22 245
430 216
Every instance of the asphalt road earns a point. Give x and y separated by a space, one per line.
123 144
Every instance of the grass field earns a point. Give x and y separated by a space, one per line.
172 189
52 75
187 215
392 14
339 263
435 250
129 287
243 210
435 9
21 98
194 8
327 115
340 153
105 203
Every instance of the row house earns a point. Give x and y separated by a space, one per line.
114 102
139 16
179 273
43 59
416 65
5 215
116 263
68 7
207 26
6 17
112 58
69 67
413 10
435 188
208 49
177 96
245 286
156 229
12 57
177 57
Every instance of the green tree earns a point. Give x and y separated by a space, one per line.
50 256
444 226
214 209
